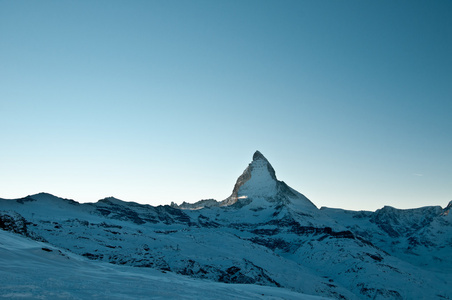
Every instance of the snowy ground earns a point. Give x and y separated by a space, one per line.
34 270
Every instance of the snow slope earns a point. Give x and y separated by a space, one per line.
36 270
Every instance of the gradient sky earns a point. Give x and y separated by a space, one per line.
160 101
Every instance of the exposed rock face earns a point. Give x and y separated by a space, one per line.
446 210
12 221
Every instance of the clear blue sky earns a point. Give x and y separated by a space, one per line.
160 101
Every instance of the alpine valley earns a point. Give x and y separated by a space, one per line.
266 240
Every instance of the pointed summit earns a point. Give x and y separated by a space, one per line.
259 160
258 183
257 155
258 179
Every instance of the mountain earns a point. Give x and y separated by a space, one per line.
259 187
264 234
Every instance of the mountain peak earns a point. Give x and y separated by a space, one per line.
261 164
257 155
259 183
261 172
258 178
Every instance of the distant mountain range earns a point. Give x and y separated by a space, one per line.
264 234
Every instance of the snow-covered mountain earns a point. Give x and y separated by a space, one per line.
264 234
257 187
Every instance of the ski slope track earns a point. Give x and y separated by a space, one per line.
266 241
